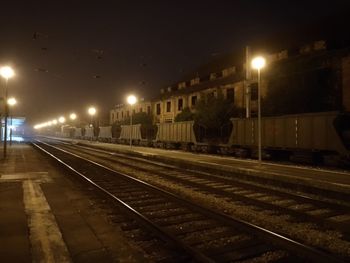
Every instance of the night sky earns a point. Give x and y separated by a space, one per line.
69 56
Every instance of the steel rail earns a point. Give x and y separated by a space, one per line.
173 241
294 196
275 238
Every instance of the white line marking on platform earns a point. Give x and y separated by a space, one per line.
46 240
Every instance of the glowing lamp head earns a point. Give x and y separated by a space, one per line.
11 101
131 99
54 122
7 72
61 119
73 116
92 111
258 63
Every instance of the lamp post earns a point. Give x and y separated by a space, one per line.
92 112
11 102
7 73
72 117
131 101
258 63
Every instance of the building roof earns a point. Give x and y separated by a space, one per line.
221 81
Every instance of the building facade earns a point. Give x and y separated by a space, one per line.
234 83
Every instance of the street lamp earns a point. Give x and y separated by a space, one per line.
73 116
92 112
7 73
258 63
11 102
61 119
131 99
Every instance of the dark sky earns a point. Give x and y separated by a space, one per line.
146 44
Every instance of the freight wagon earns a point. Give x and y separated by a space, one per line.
105 134
311 137
184 135
89 133
175 135
140 134
78 133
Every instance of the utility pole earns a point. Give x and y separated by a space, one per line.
6 116
247 82
0 127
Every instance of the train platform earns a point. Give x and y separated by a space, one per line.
326 179
46 217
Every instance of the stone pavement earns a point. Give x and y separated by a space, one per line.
45 217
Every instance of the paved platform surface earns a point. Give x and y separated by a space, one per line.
328 179
45 217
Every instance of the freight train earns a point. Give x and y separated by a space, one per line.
307 138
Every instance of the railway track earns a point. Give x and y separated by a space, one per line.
194 232
305 208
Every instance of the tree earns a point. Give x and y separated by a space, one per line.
215 112
185 115
308 85
212 118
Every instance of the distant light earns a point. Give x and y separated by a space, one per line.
92 111
41 125
131 99
49 123
7 72
11 101
54 122
17 138
73 116
258 63
61 119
